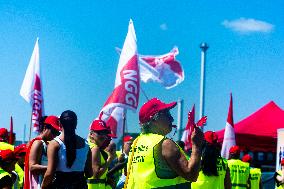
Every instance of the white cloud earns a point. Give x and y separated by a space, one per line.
248 25
164 26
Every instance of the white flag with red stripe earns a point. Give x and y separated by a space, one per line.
127 83
31 89
186 136
229 135
164 69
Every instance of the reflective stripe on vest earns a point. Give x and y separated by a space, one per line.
212 182
3 173
239 172
143 170
255 175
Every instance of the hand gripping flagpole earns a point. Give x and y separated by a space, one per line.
203 47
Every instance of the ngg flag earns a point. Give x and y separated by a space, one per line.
127 82
31 89
164 69
229 135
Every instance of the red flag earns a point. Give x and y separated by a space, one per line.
164 69
189 129
127 83
31 89
229 135
11 138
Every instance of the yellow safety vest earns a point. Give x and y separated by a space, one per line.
97 183
6 146
239 172
20 172
282 185
3 173
255 175
212 182
145 166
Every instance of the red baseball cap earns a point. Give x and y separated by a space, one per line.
211 137
234 150
247 158
282 162
3 132
99 125
151 107
22 148
7 155
53 121
127 138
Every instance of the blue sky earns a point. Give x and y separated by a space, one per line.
77 41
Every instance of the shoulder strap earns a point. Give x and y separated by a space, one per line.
57 139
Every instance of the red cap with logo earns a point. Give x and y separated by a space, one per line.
53 121
7 155
98 125
235 150
152 107
211 137
247 158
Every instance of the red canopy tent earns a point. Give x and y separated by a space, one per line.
258 132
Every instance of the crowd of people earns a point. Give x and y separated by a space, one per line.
58 158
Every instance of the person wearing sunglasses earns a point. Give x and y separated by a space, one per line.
99 139
156 161
36 154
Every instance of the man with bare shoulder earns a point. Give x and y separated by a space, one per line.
156 161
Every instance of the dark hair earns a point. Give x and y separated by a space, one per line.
209 160
41 123
68 120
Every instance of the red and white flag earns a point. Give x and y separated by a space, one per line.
186 136
164 69
115 121
127 83
31 89
229 135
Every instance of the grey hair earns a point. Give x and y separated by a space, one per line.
146 127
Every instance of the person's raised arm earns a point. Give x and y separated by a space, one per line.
52 154
188 169
35 158
98 168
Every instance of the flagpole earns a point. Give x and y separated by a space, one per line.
144 93
123 126
24 137
203 47
179 117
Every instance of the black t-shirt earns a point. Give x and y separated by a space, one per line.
6 181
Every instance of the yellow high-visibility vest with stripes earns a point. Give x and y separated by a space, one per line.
146 166
239 172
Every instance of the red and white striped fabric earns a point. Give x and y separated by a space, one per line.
229 135
127 83
31 89
186 136
164 69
